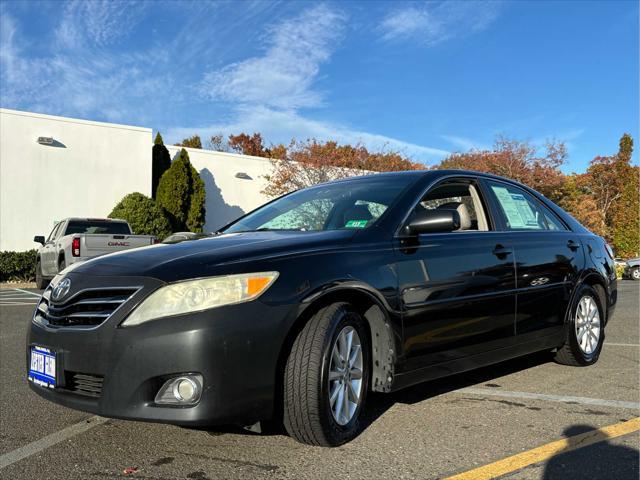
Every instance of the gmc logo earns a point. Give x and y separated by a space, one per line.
118 244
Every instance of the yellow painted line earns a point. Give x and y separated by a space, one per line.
545 452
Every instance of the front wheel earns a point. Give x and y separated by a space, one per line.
635 273
585 330
41 282
326 378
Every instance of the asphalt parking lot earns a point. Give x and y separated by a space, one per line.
468 424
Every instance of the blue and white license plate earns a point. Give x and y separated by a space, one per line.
42 366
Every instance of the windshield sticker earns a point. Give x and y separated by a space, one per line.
356 223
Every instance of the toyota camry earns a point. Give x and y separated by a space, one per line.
299 309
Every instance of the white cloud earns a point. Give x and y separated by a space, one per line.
97 22
281 126
465 143
435 22
283 77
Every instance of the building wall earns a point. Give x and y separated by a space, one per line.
84 173
228 196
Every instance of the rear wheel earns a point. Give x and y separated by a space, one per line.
41 282
61 264
585 332
326 378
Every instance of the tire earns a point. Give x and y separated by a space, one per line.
61 264
308 414
635 274
41 282
585 352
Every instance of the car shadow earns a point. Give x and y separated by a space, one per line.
379 403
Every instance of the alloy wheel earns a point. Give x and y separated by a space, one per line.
587 324
345 375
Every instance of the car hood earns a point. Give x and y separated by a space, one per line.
194 258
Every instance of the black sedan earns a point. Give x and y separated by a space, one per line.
300 308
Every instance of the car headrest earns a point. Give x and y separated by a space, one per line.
463 212
357 212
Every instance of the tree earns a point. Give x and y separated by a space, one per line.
191 142
519 161
308 163
161 161
143 214
181 193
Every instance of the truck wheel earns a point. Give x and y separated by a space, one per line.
585 330
61 264
41 282
326 378
635 273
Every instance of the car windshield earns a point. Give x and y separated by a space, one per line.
97 226
354 204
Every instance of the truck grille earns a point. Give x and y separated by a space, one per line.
87 308
84 383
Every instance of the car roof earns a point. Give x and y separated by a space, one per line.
93 219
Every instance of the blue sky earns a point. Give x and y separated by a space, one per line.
425 78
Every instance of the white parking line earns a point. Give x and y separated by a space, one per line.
623 344
32 448
28 292
601 402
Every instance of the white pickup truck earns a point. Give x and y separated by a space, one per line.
76 239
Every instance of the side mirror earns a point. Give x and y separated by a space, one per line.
433 221
39 239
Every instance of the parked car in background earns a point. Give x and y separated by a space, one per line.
76 239
182 236
302 307
632 269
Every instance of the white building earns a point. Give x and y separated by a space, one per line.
56 167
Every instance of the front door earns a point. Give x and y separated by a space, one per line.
457 289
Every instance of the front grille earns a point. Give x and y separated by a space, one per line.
87 308
84 383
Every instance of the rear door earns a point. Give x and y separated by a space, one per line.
457 289
548 260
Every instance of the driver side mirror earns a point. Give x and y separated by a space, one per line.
433 221
39 239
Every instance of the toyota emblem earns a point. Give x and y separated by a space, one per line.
61 289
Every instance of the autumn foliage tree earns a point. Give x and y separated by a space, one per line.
191 142
519 161
307 163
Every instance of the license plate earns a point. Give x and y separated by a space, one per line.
42 366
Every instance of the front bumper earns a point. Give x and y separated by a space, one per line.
234 348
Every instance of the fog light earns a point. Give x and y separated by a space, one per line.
182 390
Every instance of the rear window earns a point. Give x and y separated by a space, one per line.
97 226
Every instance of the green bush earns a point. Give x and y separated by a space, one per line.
181 193
18 266
143 214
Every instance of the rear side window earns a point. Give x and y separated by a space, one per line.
520 211
97 226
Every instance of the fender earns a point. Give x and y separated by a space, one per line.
584 276
385 345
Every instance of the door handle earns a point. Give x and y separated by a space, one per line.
573 245
501 252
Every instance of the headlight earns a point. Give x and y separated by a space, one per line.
202 294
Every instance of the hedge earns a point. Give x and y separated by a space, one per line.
18 266
144 215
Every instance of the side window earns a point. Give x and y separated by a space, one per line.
464 198
520 211
54 232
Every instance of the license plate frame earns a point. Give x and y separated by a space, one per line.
42 366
